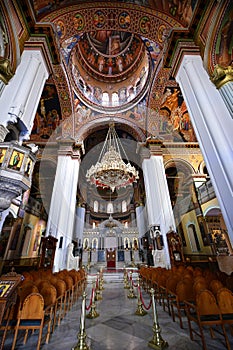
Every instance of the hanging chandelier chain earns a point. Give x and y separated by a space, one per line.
119 144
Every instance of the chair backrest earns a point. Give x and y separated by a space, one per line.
26 288
49 294
206 303
184 291
33 307
172 282
199 286
60 286
225 300
215 285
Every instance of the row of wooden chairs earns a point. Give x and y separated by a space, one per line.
43 300
177 289
211 311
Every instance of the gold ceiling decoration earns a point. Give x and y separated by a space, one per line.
111 171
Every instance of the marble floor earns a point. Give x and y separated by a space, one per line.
117 327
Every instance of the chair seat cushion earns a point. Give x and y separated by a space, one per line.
204 318
227 317
33 323
11 323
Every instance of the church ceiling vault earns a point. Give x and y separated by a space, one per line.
113 57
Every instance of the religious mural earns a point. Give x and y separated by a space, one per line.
224 47
174 117
48 116
182 10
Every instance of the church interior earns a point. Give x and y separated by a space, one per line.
116 162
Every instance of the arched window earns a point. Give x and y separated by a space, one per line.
195 245
96 206
105 99
115 99
109 208
124 206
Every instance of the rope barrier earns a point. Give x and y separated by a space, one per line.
89 306
143 303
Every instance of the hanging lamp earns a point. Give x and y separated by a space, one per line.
111 171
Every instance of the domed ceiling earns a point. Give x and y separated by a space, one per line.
113 62
109 68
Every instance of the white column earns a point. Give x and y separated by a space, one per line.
157 197
213 126
141 220
79 223
226 91
63 203
21 96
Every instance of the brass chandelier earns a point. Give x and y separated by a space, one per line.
111 171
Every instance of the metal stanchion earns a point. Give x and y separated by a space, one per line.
98 294
93 313
126 280
82 333
131 294
101 280
140 311
157 341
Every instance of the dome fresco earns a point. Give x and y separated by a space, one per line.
109 68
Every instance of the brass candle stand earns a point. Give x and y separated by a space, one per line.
157 341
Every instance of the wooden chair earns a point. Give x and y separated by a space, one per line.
8 321
30 317
169 291
205 313
160 286
225 303
49 294
184 292
59 311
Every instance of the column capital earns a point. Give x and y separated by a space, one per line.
143 150
152 147
68 146
155 145
221 75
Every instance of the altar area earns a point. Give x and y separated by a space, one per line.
110 245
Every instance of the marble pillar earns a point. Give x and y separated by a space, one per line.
213 126
63 203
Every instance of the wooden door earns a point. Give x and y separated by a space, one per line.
111 258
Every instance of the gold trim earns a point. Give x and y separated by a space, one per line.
221 75
5 70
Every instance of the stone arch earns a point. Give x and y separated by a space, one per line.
133 129
183 164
